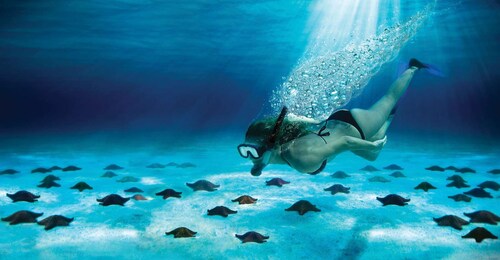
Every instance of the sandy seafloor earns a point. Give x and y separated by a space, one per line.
349 226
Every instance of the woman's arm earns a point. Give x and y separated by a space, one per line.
355 144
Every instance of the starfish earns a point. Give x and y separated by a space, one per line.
133 189
369 168
465 170
276 182
245 199
435 168
451 168
9 171
203 185
113 199
55 221
23 196
172 164
425 186
393 199
22 216
490 185
397 174
340 175
71 168
483 216
221 211
139 197
303 206
181 232
480 234
128 179
167 193
478 193
452 221
456 178
109 174
49 184
113 167
156 166
378 179
393 167
50 177
336 188
252 236
186 165
81 186
457 184
40 170
460 197
494 171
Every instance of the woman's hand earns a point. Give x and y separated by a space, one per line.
355 144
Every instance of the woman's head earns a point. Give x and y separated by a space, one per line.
260 132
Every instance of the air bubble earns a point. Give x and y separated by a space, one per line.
324 82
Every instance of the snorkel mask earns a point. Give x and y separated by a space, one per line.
258 152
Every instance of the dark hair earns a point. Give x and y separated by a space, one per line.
259 131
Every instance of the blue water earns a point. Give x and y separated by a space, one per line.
90 83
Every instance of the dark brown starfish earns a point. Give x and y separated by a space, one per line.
480 234
22 216
55 221
245 199
478 193
252 236
167 193
23 196
276 182
203 185
303 206
393 199
483 216
460 197
113 199
457 184
425 186
181 232
221 211
452 221
81 186
336 188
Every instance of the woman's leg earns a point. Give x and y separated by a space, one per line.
372 155
372 120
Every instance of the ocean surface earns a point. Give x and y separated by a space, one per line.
132 83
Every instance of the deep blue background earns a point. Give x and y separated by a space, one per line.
201 66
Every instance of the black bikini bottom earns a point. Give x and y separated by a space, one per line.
345 115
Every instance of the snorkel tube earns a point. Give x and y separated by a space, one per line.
277 126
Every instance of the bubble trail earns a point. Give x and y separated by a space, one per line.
323 83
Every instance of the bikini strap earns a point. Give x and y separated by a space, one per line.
321 134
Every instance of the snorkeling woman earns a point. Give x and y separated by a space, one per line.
308 147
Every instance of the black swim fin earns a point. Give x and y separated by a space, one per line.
428 67
416 63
